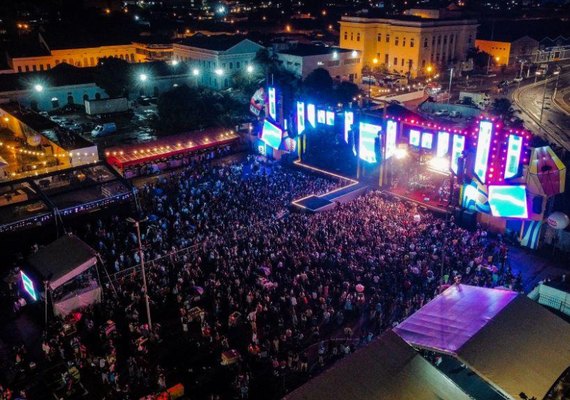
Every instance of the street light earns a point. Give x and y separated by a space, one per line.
141 255
249 69
219 71
557 73
196 74
450 80
143 77
38 88
174 62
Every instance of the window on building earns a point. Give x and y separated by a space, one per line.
395 60
423 63
444 39
387 38
358 37
231 65
19 68
92 61
41 67
443 57
425 43
410 63
433 41
396 41
379 37
27 68
345 35
412 42
451 38
404 42
334 63
238 66
386 58
34 67
403 62
351 35
439 39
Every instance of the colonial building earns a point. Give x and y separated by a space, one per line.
214 59
409 45
302 59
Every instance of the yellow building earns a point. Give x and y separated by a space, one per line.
409 45
506 51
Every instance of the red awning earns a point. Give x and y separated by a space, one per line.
124 156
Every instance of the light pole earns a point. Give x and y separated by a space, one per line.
543 100
141 255
450 80
143 78
536 75
557 73
196 74
249 69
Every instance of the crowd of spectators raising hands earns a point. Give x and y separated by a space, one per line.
288 291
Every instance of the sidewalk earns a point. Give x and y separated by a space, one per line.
534 267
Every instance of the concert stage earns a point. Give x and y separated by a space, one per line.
329 200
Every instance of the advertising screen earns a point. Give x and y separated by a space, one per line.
415 136
348 121
457 148
513 156
272 103
271 134
427 140
300 117
368 135
483 146
391 131
442 143
321 116
28 285
508 201
311 114
330 118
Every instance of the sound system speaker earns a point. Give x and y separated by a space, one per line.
537 204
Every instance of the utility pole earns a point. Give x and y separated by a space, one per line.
543 100
450 80
141 255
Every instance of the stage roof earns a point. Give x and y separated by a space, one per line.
386 369
507 339
123 156
62 260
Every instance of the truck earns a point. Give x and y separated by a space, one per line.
479 99
104 129
106 106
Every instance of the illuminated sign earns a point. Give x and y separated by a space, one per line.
456 150
427 140
272 103
513 156
508 201
28 285
415 137
442 143
321 116
330 118
348 121
391 130
271 135
368 135
483 146
311 114
300 117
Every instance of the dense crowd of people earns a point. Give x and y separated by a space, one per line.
263 297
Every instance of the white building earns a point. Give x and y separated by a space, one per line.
214 59
302 59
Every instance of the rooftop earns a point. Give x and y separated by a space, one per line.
304 50
408 19
214 42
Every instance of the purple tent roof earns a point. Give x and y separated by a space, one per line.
447 322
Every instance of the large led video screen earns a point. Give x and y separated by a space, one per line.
415 136
514 149
348 121
442 143
457 148
483 146
330 118
311 114
427 140
271 135
272 103
300 117
368 135
391 132
508 201
321 116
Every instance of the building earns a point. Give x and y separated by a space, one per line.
214 59
302 59
507 51
409 45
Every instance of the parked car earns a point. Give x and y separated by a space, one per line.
503 84
104 129
518 79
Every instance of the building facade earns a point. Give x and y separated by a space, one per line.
215 59
302 59
411 46
508 52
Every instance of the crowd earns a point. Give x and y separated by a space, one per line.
262 296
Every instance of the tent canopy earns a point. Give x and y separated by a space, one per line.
386 369
507 339
62 260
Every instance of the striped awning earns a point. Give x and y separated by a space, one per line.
546 168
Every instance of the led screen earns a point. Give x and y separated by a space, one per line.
321 116
368 135
391 130
508 201
311 114
427 140
456 150
442 143
271 134
513 156
348 121
300 117
28 285
330 118
415 137
272 103
483 145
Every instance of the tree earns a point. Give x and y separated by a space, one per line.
346 91
113 76
318 85
480 58
502 107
